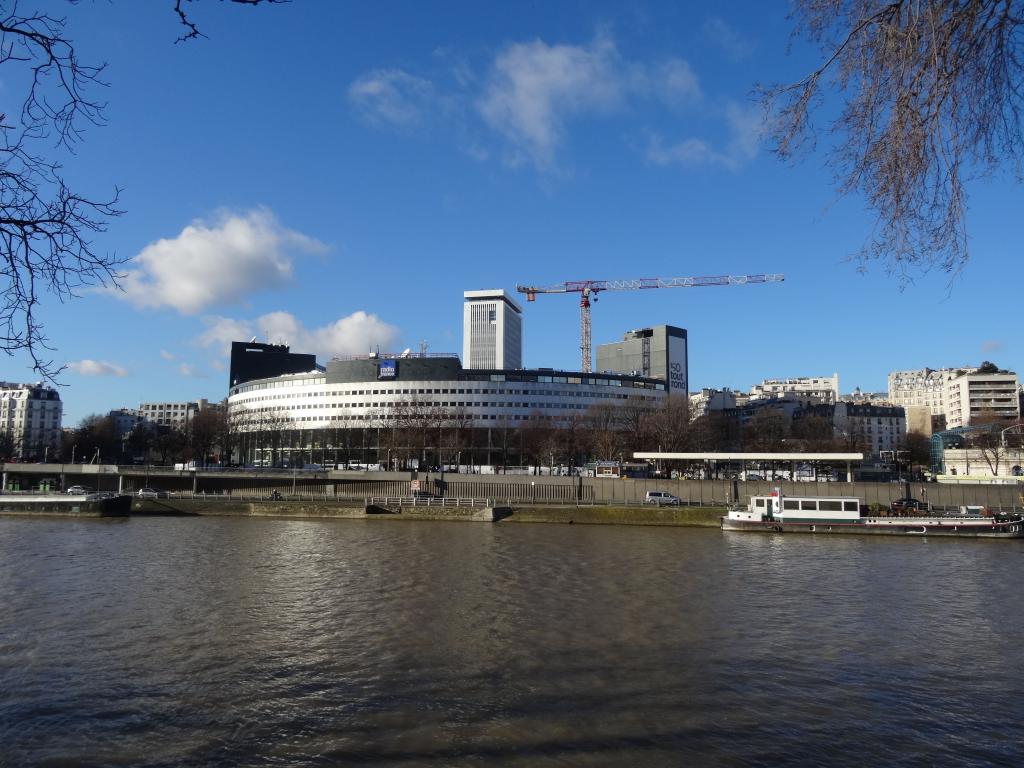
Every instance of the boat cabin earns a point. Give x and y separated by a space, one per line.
803 509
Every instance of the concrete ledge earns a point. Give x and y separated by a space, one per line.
597 515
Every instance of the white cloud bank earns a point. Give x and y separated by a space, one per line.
534 90
527 94
214 263
354 334
96 368
746 128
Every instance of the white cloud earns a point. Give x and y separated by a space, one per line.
215 263
96 368
675 82
392 96
354 334
991 346
221 331
724 37
528 96
535 87
166 355
746 128
190 371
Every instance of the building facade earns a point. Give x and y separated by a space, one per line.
659 352
823 389
924 387
30 420
174 415
252 360
492 330
416 409
709 399
124 420
977 395
878 427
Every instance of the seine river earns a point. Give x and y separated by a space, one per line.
252 642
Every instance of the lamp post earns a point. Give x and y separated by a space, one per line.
1002 433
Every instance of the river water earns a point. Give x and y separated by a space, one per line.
252 642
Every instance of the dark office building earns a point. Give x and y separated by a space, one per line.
659 352
252 360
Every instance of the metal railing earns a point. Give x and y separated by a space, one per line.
427 501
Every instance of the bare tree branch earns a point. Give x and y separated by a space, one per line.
931 98
192 31
45 226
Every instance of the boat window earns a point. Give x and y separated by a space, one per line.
851 506
758 502
809 504
790 504
830 506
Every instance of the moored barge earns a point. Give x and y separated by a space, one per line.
801 514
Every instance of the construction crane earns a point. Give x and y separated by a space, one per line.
588 288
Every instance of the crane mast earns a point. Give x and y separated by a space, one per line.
588 288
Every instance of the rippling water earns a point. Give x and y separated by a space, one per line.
218 641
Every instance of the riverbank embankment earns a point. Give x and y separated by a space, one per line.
580 515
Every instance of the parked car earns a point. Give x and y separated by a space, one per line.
908 505
78 490
661 498
153 493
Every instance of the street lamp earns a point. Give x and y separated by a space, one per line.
1002 433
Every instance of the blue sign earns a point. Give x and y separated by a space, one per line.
388 369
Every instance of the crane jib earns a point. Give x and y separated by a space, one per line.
587 287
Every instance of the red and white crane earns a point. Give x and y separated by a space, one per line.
588 288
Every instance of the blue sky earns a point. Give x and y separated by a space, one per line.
335 175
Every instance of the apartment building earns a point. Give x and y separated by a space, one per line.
824 389
30 420
924 387
981 394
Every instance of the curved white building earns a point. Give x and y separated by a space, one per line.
401 409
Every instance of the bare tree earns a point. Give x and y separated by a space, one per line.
931 98
46 226
603 431
206 428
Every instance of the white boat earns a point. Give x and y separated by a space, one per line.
805 514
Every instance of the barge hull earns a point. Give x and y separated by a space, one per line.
1007 530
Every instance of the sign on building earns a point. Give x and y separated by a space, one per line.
387 369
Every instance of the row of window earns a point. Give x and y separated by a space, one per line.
384 417
469 376
449 404
414 392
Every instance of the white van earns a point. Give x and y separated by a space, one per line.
661 498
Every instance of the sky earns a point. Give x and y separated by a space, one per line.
334 175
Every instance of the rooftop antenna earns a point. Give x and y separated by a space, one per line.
423 347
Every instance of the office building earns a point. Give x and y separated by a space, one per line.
252 360
174 415
492 330
659 352
386 408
